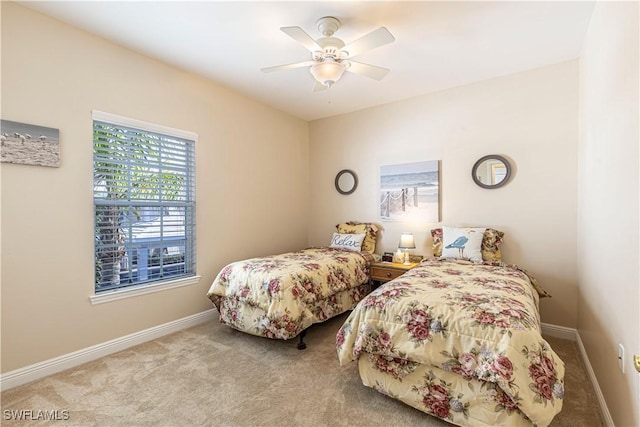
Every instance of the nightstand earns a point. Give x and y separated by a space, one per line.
382 272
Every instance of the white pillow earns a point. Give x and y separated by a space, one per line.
350 242
462 243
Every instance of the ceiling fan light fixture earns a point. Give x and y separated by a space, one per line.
327 72
331 57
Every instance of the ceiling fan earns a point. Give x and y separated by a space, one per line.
331 57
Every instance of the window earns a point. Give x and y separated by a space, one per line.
144 199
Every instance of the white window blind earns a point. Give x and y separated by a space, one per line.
144 198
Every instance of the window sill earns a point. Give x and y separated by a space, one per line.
142 290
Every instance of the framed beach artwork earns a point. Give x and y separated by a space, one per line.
29 144
410 192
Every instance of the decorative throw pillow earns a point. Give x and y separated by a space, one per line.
350 242
462 243
436 235
490 244
370 230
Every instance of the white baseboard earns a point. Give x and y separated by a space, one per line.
573 335
48 367
561 332
606 415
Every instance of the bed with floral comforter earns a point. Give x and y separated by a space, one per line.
279 296
460 341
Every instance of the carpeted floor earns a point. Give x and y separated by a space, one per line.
215 376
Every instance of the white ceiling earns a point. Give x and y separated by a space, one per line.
438 44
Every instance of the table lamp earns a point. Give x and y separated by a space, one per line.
406 242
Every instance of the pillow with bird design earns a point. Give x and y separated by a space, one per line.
462 243
490 244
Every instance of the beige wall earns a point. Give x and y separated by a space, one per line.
530 117
252 183
608 215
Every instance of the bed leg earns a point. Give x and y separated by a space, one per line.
301 344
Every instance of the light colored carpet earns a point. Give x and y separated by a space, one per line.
211 375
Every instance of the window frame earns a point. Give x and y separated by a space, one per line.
170 282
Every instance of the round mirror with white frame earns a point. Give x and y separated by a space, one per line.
346 181
492 171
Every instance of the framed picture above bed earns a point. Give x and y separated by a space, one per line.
410 191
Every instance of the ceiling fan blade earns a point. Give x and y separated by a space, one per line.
318 87
299 35
375 38
287 66
371 71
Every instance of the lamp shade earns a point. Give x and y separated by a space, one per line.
407 241
327 72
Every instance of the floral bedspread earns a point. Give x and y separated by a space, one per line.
280 295
479 321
